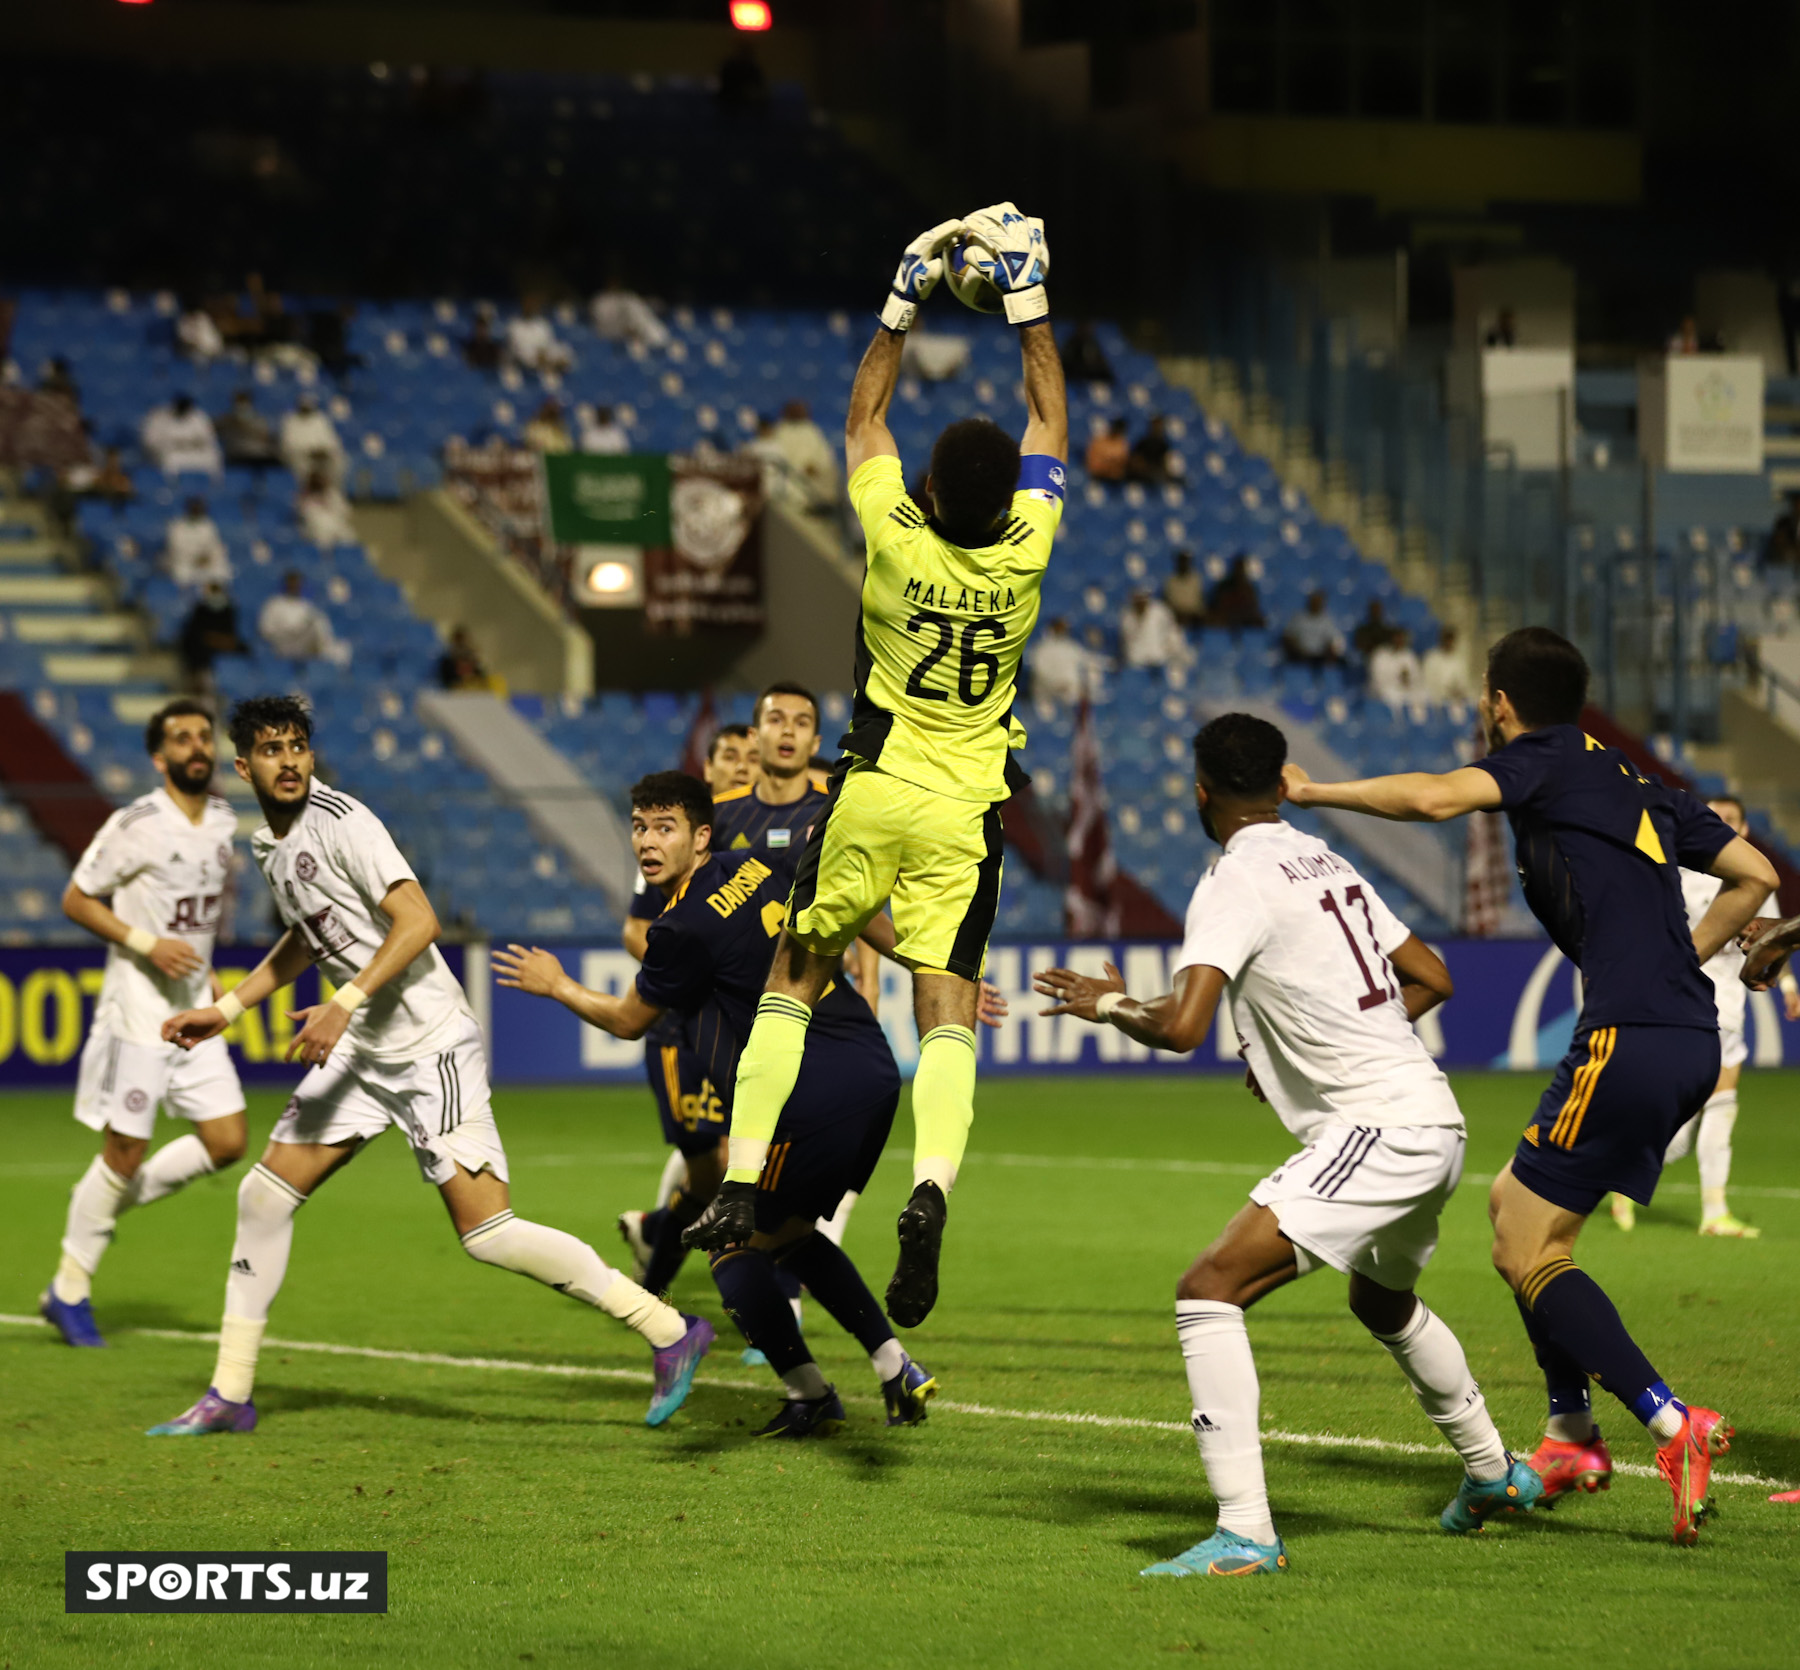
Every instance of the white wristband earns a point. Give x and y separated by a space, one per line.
1105 1004
897 313
1026 307
350 998
140 940
744 1158
229 1007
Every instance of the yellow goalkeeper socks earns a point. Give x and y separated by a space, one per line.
765 1079
943 1104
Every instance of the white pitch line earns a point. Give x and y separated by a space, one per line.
572 1371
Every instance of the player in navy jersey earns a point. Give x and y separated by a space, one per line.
692 1117
705 959
1600 851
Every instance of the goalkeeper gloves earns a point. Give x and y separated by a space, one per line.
916 277
1013 255
729 1219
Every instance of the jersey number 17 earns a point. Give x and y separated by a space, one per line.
1378 990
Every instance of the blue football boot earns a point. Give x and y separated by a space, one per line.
74 1322
907 1394
1518 1489
1223 1554
807 1417
675 1365
211 1414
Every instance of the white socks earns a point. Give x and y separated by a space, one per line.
833 1228
1710 1132
1432 1359
571 1266
259 1261
805 1381
674 1177
102 1195
1717 1119
1222 1378
94 1207
1578 1427
887 1360
171 1167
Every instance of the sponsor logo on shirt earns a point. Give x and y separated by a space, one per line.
779 837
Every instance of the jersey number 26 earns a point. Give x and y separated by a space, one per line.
972 658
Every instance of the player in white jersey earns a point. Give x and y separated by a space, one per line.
1709 1131
1324 983
152 884
396 1045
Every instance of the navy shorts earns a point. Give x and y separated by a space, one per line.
1618 1098
832 1131
693 1118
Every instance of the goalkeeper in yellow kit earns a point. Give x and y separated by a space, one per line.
948 602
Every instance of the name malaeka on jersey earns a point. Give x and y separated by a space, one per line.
976 602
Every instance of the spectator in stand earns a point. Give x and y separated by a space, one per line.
779 483
547 432
1372 631
58 379
459 667
1444 673
1311 638
1184 592
532 343
1083 359
1504 333
1062 670
482 348
601 431
1686 339
1784 538
1153 459
209 631
246 435
309 441
108 479
1109 452
810 457
1150 636
324 512
198 336
742 85
193 549
621 315
1235 603
1395 676
179 438
297 629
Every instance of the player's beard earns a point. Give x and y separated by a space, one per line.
1206 824
194 775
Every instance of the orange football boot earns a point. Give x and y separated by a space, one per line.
1685 1463
1566 1467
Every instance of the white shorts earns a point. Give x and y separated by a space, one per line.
1732 1051
1367 1199
440 1101
121 1084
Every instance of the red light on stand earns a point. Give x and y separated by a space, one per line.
752 16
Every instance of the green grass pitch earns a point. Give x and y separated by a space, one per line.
531 1518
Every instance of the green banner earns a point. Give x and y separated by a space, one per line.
598 499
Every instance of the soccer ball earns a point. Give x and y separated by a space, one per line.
968 283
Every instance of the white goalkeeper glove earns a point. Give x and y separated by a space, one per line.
916 277
1012 253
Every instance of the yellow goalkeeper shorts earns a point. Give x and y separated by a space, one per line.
934 860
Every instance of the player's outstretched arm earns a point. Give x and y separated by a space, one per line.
1406 797
866 434
1046 395
1424 980
538 972
172 957
1749 880
287 960
1177 1021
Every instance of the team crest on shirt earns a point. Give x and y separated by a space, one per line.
224 855
136 1101
305 866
